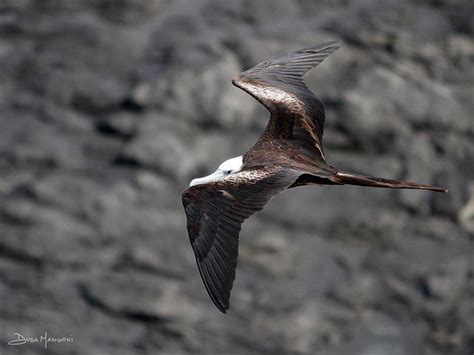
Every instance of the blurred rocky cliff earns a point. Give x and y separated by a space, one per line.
109 108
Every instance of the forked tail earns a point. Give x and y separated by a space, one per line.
361 180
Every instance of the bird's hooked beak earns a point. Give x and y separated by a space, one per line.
230 166
216 175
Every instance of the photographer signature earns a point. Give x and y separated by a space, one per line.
44 339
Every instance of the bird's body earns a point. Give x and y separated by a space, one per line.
288 154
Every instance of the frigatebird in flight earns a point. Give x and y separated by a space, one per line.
288 154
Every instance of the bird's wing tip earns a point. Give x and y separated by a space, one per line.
333 45
221 306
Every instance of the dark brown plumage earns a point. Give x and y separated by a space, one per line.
288 154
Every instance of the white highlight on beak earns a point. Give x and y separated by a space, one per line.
225 169
216 175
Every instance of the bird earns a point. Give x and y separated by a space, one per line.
288 154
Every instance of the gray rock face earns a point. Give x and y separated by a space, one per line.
109 108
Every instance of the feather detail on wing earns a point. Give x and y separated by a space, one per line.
215 212
296 113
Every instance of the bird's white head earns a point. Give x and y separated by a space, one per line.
227 168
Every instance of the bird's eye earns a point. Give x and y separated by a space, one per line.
227 172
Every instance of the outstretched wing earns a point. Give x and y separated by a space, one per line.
215 212
296 113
